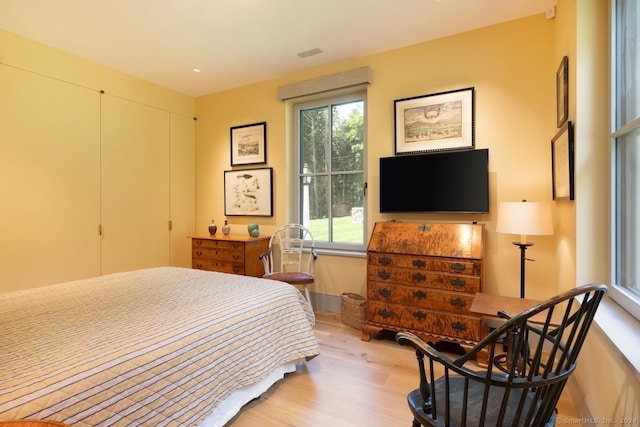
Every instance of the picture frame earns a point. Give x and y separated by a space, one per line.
562 163
562 92
249 144
248 192
435 122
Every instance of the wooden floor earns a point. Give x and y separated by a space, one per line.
352 383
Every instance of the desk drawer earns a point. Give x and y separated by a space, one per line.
466 327
435 299
424 278
457 266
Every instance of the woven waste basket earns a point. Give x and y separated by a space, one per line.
354 308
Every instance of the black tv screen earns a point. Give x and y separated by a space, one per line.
455 181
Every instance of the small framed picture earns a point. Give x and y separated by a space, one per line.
562 163
248 192
436 122
562 91
249 144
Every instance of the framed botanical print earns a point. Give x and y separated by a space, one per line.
248 192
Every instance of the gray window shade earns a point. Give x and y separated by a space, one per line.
336 81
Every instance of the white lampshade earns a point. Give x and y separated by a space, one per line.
525 218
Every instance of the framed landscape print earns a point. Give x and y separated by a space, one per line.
248 192
249 144
436 122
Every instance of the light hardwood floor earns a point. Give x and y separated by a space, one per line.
352 383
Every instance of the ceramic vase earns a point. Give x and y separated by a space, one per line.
226 228
213 228
254 230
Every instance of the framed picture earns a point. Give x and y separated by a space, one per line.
562 163
249 144
440 121
248 192
562 91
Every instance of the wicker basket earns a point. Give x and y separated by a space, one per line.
354 308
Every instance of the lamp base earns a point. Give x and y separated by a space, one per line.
523 258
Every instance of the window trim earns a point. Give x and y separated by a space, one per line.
621 296
357 92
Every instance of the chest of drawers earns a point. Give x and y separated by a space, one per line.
422 278
236 254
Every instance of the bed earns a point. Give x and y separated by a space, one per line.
161 346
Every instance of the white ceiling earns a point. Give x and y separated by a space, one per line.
239 42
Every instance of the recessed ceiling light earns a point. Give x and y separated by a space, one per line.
196 70
310 52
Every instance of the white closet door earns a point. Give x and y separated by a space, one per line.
135 151
49 180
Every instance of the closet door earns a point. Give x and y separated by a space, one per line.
183 194
49 180
135 211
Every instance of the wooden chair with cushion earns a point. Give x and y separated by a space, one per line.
539 361
284 260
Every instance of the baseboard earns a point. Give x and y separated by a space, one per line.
322 302
578 398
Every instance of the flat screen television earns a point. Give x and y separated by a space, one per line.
454 181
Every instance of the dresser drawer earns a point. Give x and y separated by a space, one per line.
465 327
424 278
217 244
215 265
457 266
419 297
220 254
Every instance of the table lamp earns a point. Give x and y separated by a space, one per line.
524 218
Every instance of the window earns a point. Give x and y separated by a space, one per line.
330 170
626 148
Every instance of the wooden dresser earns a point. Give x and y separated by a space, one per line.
422 278
235 253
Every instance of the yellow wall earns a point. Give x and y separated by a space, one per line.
512 69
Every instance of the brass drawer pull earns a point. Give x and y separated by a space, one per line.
385 261
199 253
419 263
384 292
458 283
458 268
419 294
419 277
419 315
383 274
459 327
198 242
458 303
384 313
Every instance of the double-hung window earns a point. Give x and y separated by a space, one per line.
330 170
625 138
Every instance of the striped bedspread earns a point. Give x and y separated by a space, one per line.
154 347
